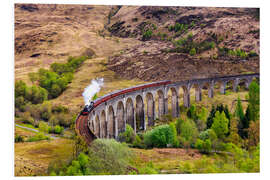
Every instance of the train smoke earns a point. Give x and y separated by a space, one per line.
92 89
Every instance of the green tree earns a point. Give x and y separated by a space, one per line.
20 88
220 124
243 122
188 133
254 101
107 156
192 52
192 113
219 108
36 94
128 135
160 136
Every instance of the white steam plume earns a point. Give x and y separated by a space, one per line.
92 89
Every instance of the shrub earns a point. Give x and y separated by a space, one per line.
106 156
19 138
26 118
192 52
203 146
38 137
191 113
138 142
42 126
20 88
20 103
178 124
220 124
252 54
160 136
148 169
147 35
128 136
45 111
58 129
188 132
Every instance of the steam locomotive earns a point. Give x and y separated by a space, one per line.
87 108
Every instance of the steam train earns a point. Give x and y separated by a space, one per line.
87 108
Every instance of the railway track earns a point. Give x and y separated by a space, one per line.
83 130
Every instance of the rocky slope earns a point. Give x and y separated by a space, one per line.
213 32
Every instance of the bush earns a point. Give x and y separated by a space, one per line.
38 137
19 138
33 94
191 113
178 124
252 54
26 118
36 94
188 133
203 146
44 127
147 35
108 157
220 124
192 52
58 129
20 103
160 136
148 169
137 143
20 88
128 136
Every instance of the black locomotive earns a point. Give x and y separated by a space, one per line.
87 109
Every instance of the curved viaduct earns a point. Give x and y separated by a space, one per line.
139 106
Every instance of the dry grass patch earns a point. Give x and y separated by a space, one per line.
33 158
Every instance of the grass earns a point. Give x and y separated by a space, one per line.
164 160
24 132
32 158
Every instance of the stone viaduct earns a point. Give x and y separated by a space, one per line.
139 108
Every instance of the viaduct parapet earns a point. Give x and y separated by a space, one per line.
139 106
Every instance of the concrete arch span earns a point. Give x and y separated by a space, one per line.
130 113
140 120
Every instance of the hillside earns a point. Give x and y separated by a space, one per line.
170 33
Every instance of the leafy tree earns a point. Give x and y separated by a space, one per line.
20 103
219 108
220 124
178 123
254 133
192 52
36 94
254 101
42 126
26 118
191 113
175 141
209 121
201 119
160 136
20 88
128 135
106 156
147 35
188 133
241 119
